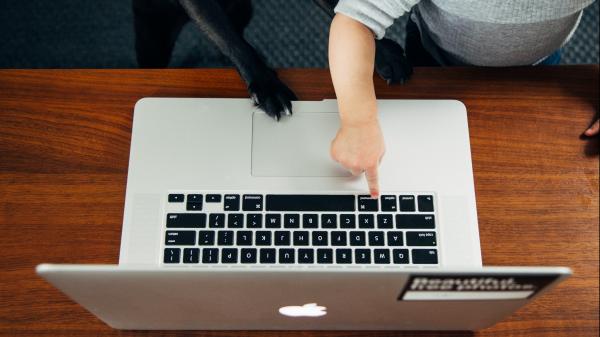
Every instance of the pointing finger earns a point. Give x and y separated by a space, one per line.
372 176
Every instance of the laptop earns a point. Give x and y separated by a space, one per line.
235 221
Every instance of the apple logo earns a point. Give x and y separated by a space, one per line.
307 310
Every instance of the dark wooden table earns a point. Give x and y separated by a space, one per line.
64 147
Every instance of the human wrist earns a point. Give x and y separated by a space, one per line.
362 117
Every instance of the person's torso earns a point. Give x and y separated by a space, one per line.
496 32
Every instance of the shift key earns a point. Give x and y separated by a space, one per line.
415 221
180 238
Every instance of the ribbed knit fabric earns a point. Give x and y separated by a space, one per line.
477 32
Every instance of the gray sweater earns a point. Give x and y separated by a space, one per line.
477 32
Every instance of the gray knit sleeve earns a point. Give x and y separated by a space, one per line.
378 15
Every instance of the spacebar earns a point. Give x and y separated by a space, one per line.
311 202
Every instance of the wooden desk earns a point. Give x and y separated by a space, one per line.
64 147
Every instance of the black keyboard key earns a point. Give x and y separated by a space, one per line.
206 238
186 220
347 221
385 221
328 221
180 238
376 239
225 238
319 238
194 198
267 255
191 255
310 203
381 256
420 239
175 197
286 255
301 238
282 238
306 256
263 238
362 256
229 255
366 221
357 239
248 255
273 220
338 238
343 256
235 220
252 202
407 203
244 238
415 221
253 220
310 221
194 202
424 256
210 255
425 203
324 255
394 239
367 204
388 203
400 256
193 206
232 202
216 220
291 221
172 255
213 198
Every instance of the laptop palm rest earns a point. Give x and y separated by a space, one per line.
296 146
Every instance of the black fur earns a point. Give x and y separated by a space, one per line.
391 62
159 22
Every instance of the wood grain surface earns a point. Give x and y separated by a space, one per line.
64 147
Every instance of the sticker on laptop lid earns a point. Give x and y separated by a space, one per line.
473 287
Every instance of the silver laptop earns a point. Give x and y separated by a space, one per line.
235 221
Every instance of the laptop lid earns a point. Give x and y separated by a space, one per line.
334 298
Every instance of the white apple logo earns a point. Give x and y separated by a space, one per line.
307 310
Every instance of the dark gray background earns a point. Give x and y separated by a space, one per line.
99 34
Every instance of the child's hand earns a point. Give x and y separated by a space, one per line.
359 148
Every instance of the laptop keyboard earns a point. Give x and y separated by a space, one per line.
300 229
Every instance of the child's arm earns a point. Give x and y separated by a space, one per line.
358 144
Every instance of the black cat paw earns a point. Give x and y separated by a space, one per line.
272 96
391 63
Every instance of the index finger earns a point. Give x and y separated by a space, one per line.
372 176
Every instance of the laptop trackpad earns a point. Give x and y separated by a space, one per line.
296 146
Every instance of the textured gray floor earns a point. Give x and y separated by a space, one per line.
99 34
